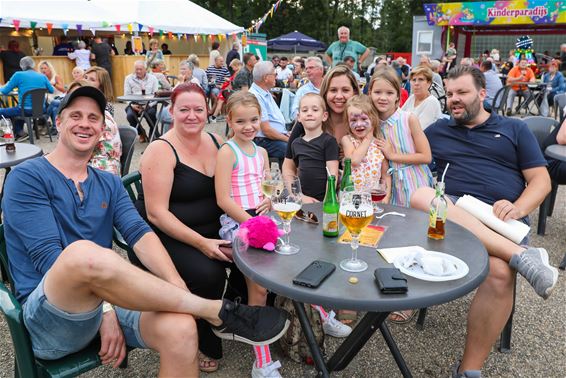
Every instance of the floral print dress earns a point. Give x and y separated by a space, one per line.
107 153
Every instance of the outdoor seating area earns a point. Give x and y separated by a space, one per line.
535 324
198 193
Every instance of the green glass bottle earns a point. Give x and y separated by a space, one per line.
330 209
346 174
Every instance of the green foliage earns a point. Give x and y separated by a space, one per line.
384 24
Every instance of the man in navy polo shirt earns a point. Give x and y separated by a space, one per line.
498 161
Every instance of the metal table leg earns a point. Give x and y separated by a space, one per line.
157 122
395 351
309 335
360 335
2 271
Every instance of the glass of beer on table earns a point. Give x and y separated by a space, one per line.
286 200
356 212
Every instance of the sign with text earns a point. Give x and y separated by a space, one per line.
517 12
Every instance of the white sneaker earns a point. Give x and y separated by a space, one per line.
271 370
333 327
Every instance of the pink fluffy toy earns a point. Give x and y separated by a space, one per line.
260 232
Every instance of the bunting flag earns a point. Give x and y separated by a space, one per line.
244 40
49 27
160 33
260 21
105 24
234 37
130 28
140 27
16 24
118 27
150 29
170 35
204 38
195 36
32 25
179 36
79 29
65 28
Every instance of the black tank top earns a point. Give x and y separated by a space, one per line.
192 199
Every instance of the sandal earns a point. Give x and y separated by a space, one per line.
347 317
402 317
207 364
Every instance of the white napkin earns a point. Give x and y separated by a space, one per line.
512 229
390 254
431 265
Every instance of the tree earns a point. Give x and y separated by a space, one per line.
385 24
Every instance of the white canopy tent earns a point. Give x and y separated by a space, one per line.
177 16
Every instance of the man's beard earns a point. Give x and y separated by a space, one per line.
470 112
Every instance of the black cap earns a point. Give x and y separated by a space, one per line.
86 91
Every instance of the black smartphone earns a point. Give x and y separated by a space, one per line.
390 281
313 275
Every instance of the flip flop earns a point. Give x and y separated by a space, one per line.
404 316
347 317
207 364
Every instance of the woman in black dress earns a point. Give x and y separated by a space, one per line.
179 202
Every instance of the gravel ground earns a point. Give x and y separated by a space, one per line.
538 338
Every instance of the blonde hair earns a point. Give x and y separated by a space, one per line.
152 42
364 103
241 99
389 75
421 70
51 68
314 95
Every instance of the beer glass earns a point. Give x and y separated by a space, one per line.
356 212
286 200
271 181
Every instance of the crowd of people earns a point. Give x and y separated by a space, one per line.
391 127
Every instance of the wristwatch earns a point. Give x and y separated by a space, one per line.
107 307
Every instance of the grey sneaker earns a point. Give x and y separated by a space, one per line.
533 264
464 374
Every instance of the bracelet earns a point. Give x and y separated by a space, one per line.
106 307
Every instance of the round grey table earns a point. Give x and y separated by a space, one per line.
146 100
556 151
24 151
276 272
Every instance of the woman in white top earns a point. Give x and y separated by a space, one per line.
82 56
421 103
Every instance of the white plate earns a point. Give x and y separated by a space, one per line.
417 271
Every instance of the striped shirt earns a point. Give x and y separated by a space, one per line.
217 75
246 177
405 178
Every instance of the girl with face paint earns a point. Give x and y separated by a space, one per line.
360 145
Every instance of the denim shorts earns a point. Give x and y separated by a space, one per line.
525 220
55 333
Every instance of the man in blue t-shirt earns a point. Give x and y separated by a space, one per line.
24 80
58 219
498 161
344 47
